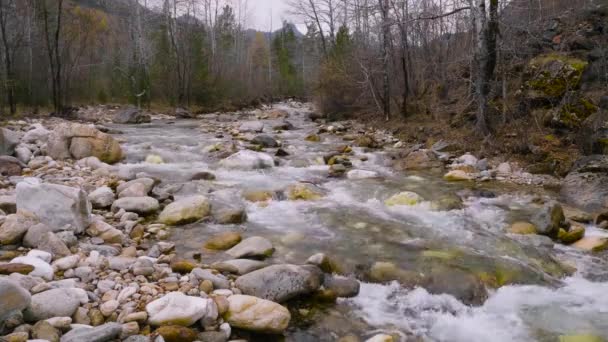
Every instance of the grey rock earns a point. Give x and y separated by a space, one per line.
35 234
139 205
239 266
61 302
23 154
102 333
341 286
279 283
549 219
37 134
54 245
57 206
13 297
227 207
102 197
8 204
248 160
8 141
131 116
15 227
586 186
218 280
265 141
106 251
251 126
253 247
143 185
10 166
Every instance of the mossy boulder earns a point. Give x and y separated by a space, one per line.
575 233
550 76
573 112
404 198
303 192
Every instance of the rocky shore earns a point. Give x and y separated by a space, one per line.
84 254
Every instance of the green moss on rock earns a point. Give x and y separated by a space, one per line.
551 75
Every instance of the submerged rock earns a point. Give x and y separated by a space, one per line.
280 283
256 314
248 160
304 192
523 228
592 244
404 198
223 241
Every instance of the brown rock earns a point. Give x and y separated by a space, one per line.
15 268
223 241
176 333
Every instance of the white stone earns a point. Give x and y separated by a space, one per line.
66 263
177 308
248 160
361 174
41 268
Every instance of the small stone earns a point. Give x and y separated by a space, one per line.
43 330
176 333
109 307
182 266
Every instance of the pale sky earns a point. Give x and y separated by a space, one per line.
260 13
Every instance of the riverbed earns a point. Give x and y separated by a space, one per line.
444 269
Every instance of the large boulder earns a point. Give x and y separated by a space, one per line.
140 205
280 283
586 186
8 141
15 227
175 308
60 302
12 298
131 116
549 219
77 141
256 314
185 210
551 75
57 206
248 160
10 166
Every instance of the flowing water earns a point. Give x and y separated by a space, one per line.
454 273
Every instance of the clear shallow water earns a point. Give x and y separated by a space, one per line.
532 293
